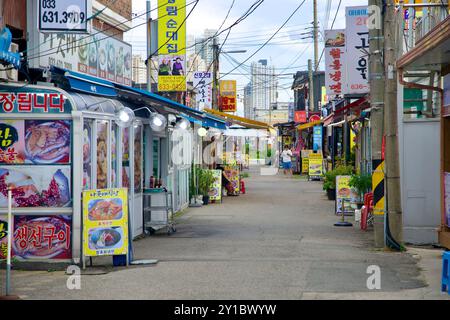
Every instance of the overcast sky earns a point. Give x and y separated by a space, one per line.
287 51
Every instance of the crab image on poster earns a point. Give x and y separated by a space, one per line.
35 186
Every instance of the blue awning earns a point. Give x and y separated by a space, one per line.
71 80
213 122
160 100
192 120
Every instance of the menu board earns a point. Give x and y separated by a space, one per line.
215 194
344 193
233 175
315 165
105 222
96 54
87 154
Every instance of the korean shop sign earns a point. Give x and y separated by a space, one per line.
228 95
63 15
171 45
335 63
202 81
357 46
27 102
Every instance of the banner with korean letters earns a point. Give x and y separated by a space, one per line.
357 47
335 63
203 84
171 45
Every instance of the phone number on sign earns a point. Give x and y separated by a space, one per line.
63 17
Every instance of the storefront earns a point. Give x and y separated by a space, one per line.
59 141
424 92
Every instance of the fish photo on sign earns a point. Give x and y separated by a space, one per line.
47 142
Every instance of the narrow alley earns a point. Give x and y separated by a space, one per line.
275 242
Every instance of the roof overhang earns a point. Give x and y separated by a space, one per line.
432 52
251 124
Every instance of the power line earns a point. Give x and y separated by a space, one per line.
261 47
332 25
107 37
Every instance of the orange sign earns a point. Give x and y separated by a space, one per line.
228 101
300 117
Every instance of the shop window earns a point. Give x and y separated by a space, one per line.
156 157
138 161
87 154
114 134
126 158
102 154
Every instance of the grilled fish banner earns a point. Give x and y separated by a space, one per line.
35 142
105 222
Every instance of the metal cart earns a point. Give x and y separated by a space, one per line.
158 211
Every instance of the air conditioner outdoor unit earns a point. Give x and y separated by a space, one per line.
7 72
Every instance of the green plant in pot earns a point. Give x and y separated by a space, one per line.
361 183
329 182
205 182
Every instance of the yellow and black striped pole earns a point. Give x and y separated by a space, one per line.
378 187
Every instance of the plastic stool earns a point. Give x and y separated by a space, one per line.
446 272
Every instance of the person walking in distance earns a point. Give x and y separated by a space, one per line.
286 156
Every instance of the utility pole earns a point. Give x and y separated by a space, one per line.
376 79
215 91
149 58
393 219
316 38
311 86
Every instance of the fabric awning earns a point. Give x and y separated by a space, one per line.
309 125
248 123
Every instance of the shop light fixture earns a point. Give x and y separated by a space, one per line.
202 132
124 117
158 122
183 124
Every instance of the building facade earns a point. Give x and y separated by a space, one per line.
262 91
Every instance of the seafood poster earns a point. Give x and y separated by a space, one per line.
215 194
36 186
35 142
447 197
98 55
232 173
42 237
105 222
344 192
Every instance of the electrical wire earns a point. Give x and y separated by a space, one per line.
107 37
262 46
332 26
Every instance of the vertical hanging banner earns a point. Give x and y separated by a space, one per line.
357 46
172 45
203 83
335 75
228 95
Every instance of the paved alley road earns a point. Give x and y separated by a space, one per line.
275 242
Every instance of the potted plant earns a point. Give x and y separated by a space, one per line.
361 183
329 184
206 180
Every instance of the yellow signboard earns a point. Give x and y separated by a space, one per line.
305 165
228 95
105 222
171 45
315 165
